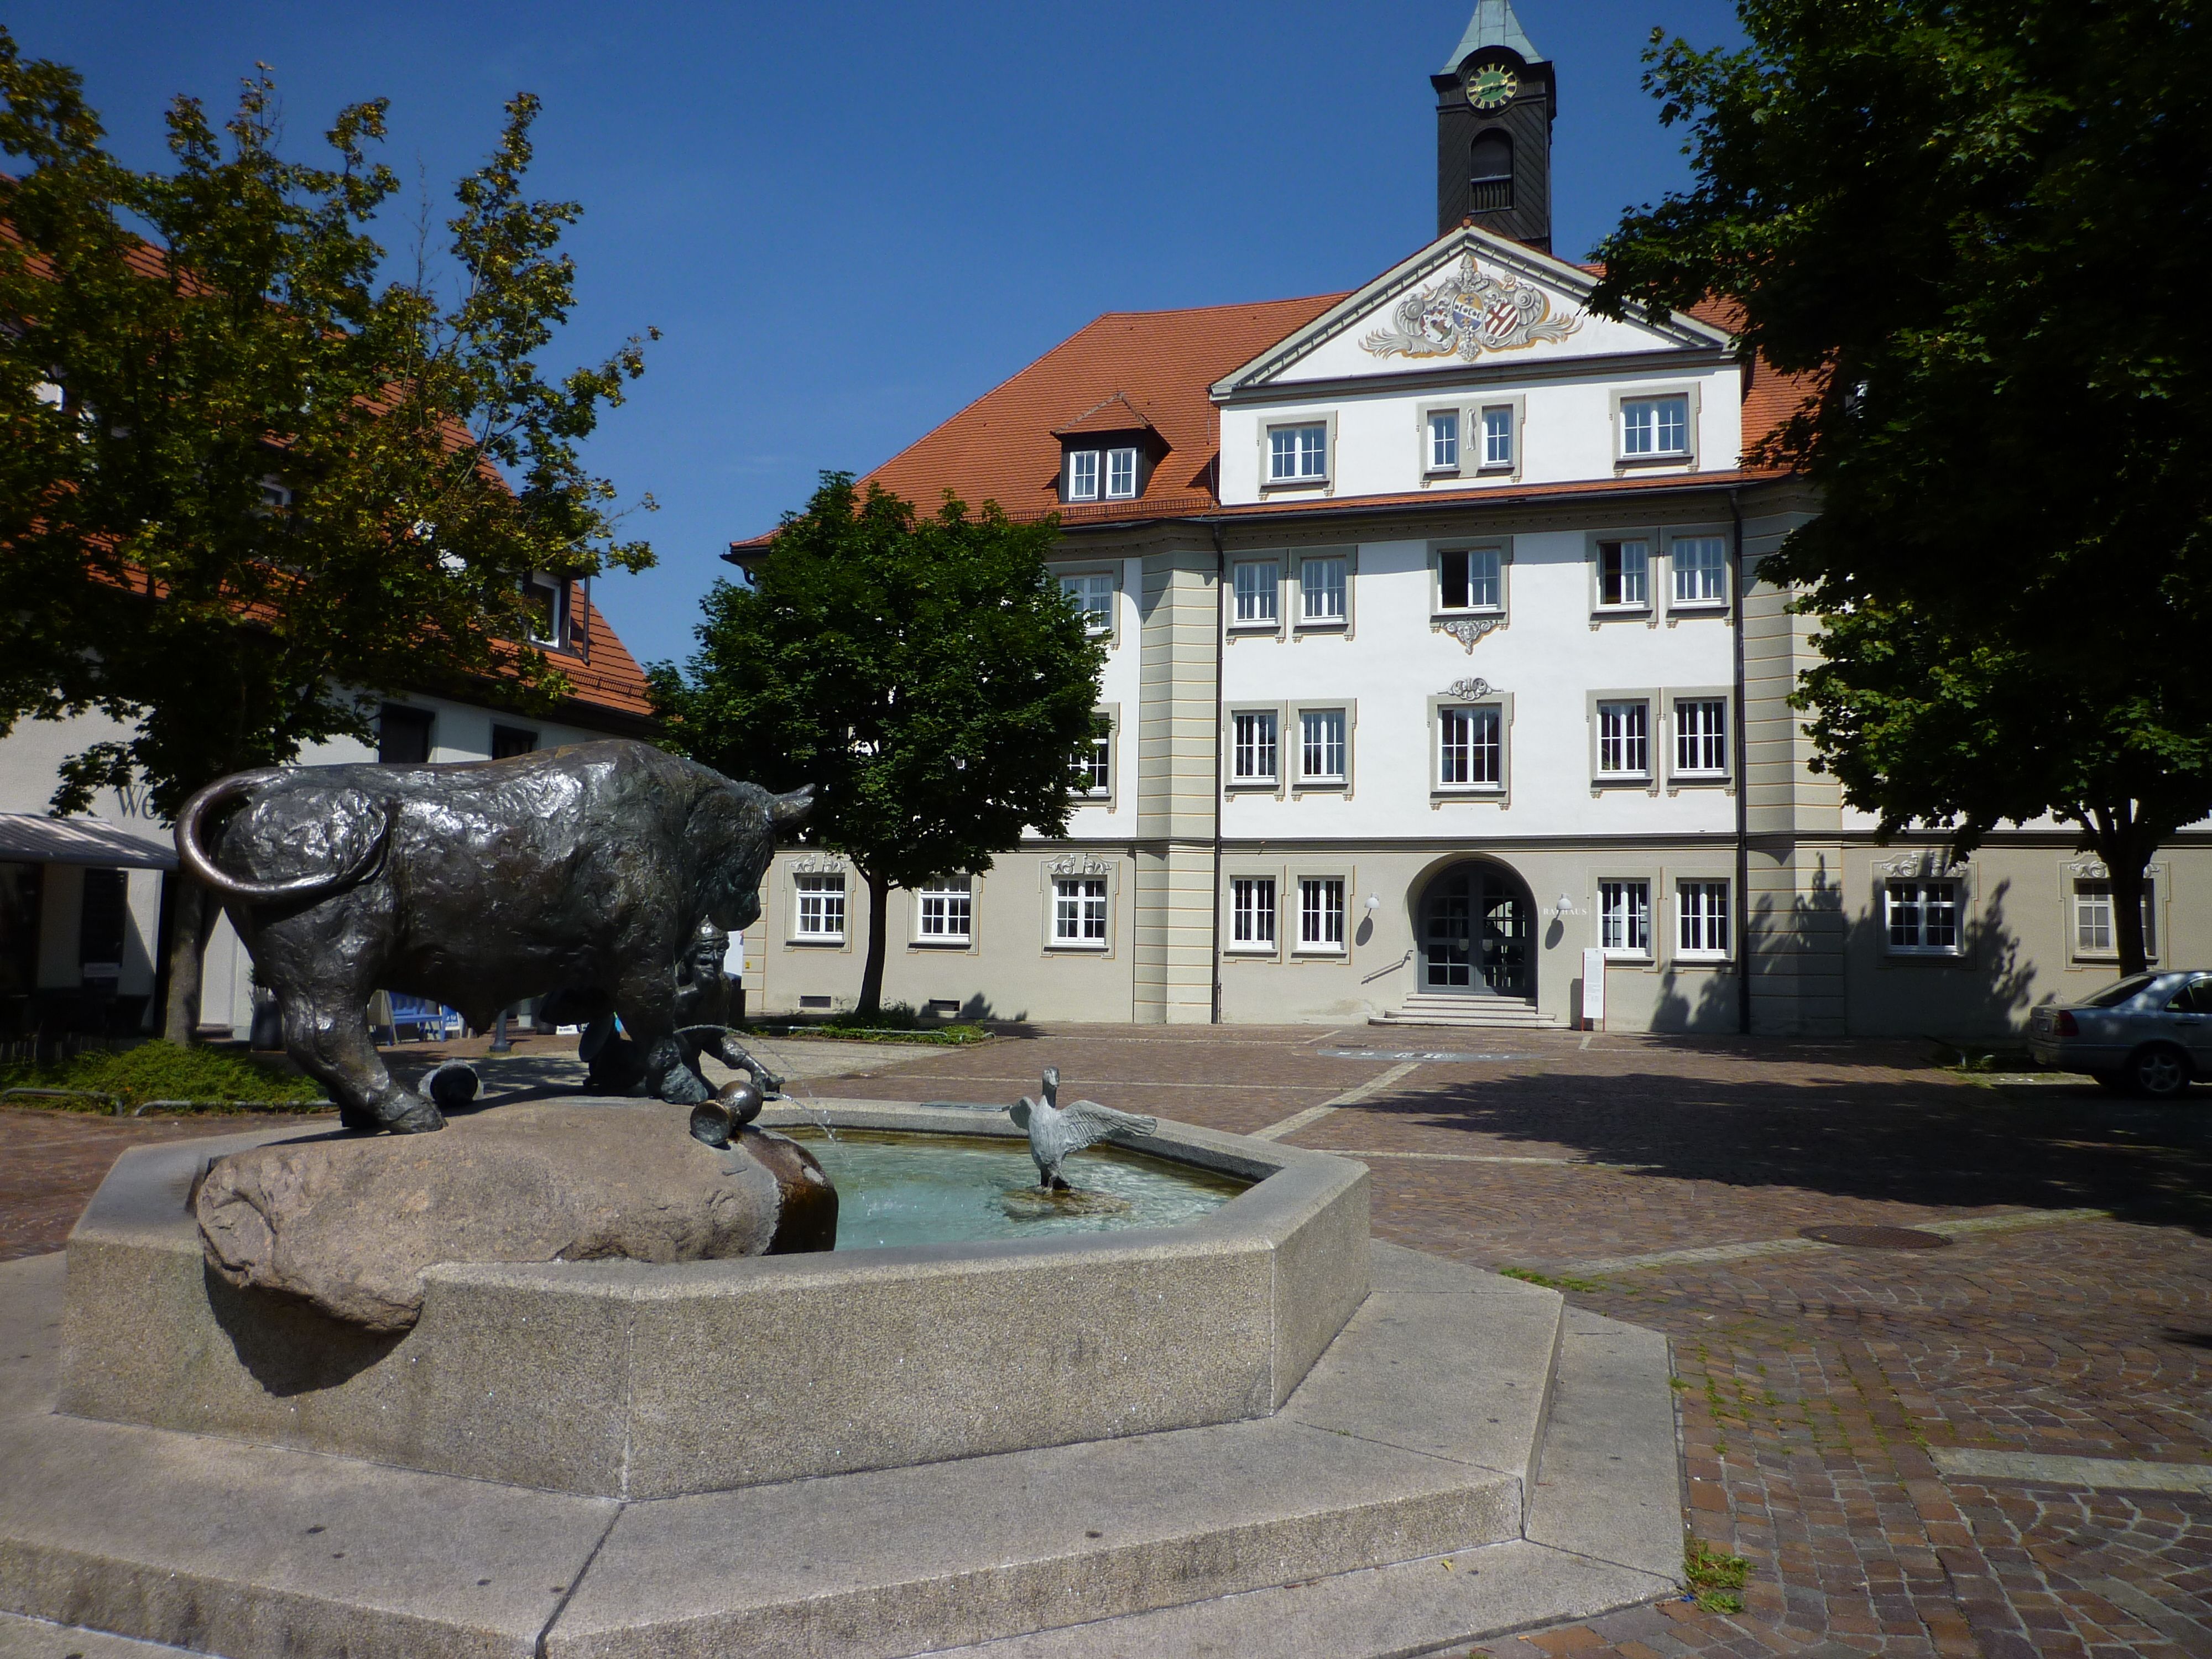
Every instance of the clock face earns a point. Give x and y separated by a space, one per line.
1492 86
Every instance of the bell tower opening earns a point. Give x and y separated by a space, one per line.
1495 105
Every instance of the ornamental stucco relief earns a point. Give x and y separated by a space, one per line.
1471 312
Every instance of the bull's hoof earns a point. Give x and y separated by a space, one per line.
419 1117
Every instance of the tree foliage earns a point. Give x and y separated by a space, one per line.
924 674
247 482
1978 228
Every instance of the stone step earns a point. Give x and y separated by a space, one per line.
1479 1012
1416 1435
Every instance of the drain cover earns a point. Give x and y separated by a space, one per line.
1876 1238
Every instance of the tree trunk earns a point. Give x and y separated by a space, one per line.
872 975
2126 846
191 925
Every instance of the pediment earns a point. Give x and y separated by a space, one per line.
1468 299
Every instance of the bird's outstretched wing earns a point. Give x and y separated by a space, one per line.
1090 1122
1019 1111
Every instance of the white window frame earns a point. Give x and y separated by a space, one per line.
1627 404
1441 709
1486 463
1108 718
1083 474
1116 460
556 608
822 884
1639 563
1700 602
1064 891
1314 917
1307 617
1434 463
1678 698
1696 918
1259 582
942 902
1269 479
1242 746
1082 586
1912 900
1610 754
1502 552
1341 778
1255 916
1629 904
2080 888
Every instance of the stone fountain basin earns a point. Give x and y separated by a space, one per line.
627 1380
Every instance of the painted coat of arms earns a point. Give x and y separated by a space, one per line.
1470 312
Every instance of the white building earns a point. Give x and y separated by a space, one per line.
84 900
1439 656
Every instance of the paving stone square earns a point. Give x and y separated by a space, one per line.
1666 1182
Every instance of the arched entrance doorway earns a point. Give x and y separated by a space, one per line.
1477 923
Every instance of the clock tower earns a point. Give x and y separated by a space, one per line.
1494 110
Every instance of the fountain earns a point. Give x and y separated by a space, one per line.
1185 1405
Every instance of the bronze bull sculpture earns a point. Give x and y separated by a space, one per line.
588 868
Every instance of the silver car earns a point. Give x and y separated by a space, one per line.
2148 1035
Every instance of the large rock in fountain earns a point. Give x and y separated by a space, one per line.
348 1223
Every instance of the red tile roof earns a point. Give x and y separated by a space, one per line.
1159 366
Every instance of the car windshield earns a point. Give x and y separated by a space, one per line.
2114 995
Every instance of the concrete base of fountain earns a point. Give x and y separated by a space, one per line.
1465 1456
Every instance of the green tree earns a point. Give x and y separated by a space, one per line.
246 485
924 674
1978 229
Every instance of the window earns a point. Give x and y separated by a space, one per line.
1624 918
1470 579
275 495
1701 570
1253 751
508 741
1489 172
546 599
1252 912
1321 913
1079 910
1497 435
1469 754
1321 590
1655 426
1298 454
2095 931
403 736
1624 739
947 909
821 908
1443 440
1083 474
1701 737
1922 917
1703 912
1093 595
1321 745
1094 763
1121 474
1256 593
1624 571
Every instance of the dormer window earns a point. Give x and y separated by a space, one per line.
1121 474
1108 452
1083 474
546 598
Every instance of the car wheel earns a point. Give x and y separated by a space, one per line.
2158 1072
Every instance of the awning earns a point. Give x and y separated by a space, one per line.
27 838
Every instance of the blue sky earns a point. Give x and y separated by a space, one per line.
848 222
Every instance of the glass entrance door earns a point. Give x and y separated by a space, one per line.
1474 933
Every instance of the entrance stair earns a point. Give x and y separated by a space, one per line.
1491 1013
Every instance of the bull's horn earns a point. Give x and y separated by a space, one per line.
787 810
236 787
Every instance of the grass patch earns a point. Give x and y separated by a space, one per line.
1713 1577
211 1079
1527 1276
895 1023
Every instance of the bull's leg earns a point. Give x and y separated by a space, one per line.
330 1042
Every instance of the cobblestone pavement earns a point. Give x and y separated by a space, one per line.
1817 1387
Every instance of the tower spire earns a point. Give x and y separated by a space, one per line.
1495 103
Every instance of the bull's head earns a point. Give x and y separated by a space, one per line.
789 811
739 864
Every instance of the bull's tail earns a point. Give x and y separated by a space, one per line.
222 792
